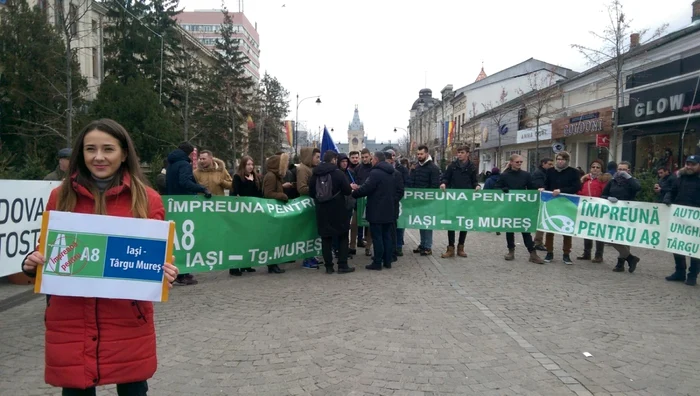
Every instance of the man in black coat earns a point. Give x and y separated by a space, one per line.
623 187
663 186
331 214
400 189
380 190
179 180
514 178
685 190
561 178
461 175
362 170
539 179
425 175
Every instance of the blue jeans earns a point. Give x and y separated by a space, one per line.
399 237
381 238
426 239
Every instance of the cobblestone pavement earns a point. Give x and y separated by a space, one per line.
429 326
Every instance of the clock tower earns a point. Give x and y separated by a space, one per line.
356 133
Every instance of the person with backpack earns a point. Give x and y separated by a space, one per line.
328 187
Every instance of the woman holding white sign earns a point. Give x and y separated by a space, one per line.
101 341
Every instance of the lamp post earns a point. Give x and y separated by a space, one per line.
408 140
296 123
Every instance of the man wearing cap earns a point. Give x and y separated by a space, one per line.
685 190
63 165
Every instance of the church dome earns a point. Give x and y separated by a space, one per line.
425 96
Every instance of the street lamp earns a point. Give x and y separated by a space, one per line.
296 124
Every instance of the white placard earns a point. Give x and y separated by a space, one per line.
22 203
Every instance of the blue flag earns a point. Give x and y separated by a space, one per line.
327 142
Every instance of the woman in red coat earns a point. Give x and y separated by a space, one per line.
592 185
100 341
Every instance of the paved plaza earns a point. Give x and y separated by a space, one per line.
429 326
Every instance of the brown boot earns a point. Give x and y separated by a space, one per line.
460 251
449 253
511 255
534 258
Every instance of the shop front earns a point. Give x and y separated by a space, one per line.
586 136
530 143
661 125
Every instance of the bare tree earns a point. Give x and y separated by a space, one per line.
497 114
473 131
69 23
543 91
610 57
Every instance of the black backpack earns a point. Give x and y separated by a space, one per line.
324 188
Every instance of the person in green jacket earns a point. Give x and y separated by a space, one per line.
63 165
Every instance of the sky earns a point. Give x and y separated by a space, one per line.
378 54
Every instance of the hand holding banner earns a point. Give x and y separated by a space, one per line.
104 256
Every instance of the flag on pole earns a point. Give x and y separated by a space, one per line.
327 142
449 133
289 131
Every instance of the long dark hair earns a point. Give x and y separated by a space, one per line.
242 173
67 196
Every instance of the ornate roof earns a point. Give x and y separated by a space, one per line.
425 96
356 124
482 74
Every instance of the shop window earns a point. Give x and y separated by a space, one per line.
594 152
659 151
522 118
533 162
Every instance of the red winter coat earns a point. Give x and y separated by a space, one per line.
593 187
100 341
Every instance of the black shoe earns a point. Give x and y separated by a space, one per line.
632 261
549 257
676 277
352 252
620 267
426 252
329 270
360 244
691 281
399 252
248 269
275 269
373 267
419 249
387 266
567 260
541 248
584 256
346 270
234 272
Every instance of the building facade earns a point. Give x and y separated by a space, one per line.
205 25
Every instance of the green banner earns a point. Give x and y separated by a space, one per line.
238 232
674 228
466 210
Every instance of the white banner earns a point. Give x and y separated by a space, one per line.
22 202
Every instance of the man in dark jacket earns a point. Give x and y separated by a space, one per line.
350 203
623 187
460 174
425 175
663 186
539 179
380 190
400 189
331 215
362 171
561 178
514 178
685 190
59 173
179 180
